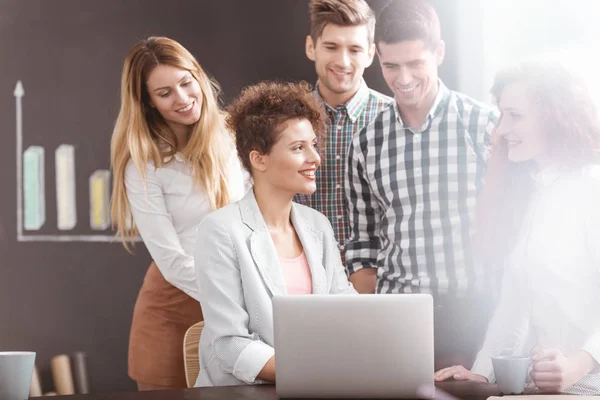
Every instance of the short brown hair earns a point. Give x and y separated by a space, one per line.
257 115
403 20
340 12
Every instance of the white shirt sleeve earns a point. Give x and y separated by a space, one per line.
592 238
155 225
509 328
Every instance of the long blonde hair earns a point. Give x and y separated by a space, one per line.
142 135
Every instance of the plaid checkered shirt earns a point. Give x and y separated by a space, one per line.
345 121
411 196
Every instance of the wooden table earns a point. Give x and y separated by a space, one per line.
460 390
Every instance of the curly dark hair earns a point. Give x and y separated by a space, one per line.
257 115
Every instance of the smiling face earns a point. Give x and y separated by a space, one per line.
176 95
521 125
341 55
291 163
410 70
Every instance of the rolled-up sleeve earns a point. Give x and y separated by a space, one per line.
509 328
364 215
237 351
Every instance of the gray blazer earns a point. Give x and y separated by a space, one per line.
238 273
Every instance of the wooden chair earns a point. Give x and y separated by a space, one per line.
191 357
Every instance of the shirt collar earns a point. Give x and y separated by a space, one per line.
354 106
439 104
178 155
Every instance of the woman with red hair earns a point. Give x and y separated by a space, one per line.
539 220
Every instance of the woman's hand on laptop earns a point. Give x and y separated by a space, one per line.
459 373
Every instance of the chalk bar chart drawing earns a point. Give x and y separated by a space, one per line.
66 205
100 200
31 192
34 197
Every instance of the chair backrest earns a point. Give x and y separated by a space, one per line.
191 356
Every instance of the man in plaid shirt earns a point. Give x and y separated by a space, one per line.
341 45
412 181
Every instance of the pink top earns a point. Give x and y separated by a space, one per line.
296 273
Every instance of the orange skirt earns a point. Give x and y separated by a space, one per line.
161 317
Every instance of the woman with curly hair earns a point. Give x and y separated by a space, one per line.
539 217
264 244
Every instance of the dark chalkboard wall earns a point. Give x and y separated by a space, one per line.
65 297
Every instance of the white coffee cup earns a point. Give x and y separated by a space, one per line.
16 369
511 373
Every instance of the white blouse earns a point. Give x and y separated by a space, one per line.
550 295
167 210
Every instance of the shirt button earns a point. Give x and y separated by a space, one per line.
338 186
337 157
417 172
341 246
339 217
419 207
339 128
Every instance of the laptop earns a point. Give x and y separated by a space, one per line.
352 346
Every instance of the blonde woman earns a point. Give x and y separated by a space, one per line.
173 162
